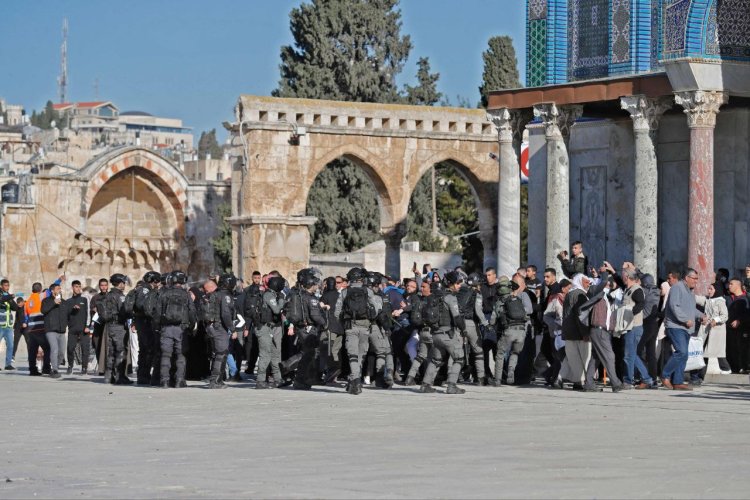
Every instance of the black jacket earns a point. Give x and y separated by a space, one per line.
78 319
329 298
55 317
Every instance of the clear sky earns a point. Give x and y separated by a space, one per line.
191 59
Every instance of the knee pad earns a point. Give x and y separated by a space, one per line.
353 358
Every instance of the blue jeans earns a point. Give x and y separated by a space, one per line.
232 365
7 334
675 367
632 360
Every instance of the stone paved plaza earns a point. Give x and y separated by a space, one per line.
79 438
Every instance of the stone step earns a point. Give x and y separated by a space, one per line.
733 379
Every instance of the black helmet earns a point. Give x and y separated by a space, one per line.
474 279
227 281
451 278
356 274
118 278
308 280
304 274
165 279
178 278
276 283
151 277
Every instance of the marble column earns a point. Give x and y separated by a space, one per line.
646 113
701 108
557 123
510 124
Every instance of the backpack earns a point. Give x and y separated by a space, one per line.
385 316
466 298
435 312
128 306
110 308
253 305
174 309
357 305
294 310
514 310
266 313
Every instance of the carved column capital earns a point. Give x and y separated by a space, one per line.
557 120
509 123
645 111
701 106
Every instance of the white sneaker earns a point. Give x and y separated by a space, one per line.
726 372
367 380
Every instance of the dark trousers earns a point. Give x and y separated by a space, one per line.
401 359
116 352
738 343
307 370
17 334
98 341
171 348
219 340
489 348
331 354
75 338
251 352
35 341
647 346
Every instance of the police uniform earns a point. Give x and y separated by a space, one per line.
471 309
447 345
116 330
147 340
269 337
219 324
308 337
175 315
380 342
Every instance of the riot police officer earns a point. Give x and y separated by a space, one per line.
270 331
308 325
425 334
447 326
380 335
470 305
357 307
115 327
174 315
218 316
142 299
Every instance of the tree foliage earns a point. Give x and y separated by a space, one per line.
222 243
345 202
44 119
344 50
500 67
207 143
425 93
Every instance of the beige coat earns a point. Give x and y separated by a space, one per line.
715 309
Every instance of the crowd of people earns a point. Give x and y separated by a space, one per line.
589 329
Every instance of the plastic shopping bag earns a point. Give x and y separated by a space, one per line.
695 355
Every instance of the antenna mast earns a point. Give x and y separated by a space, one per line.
62 80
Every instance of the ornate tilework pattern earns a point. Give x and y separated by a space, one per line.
536 57
675 22
620 31
589 38
733 20
656 34
711 44
537 9
557 41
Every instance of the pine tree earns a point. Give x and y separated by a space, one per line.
207 143
222 244
344 50
500 67
425 93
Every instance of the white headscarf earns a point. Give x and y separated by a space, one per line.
578 281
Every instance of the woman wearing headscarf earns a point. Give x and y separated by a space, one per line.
713 330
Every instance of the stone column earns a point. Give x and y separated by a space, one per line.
557 123
510 124
392 238
701 108
645 113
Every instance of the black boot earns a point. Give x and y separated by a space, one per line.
410 381
454 389
261 385
427 389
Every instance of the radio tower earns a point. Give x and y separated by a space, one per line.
62 80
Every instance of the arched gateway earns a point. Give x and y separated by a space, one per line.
288 142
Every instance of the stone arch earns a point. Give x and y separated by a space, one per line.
483 186
370 165
161 172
